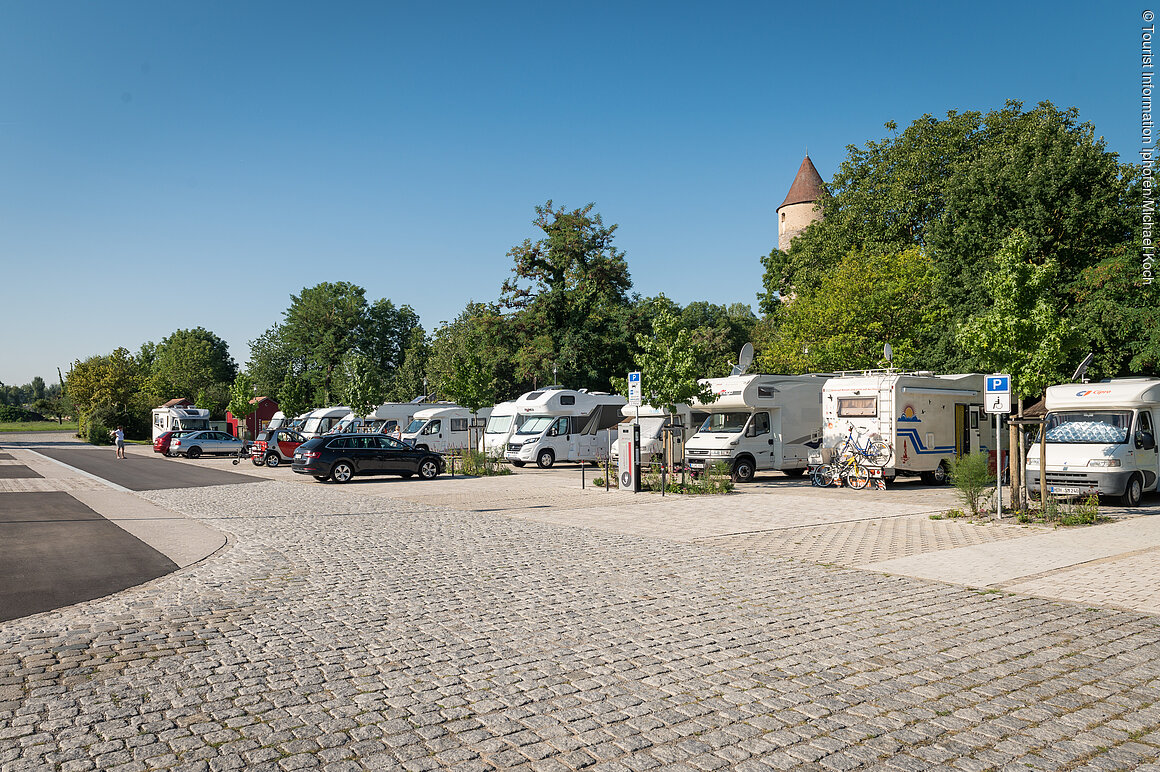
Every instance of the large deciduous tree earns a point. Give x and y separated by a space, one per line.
188 363
569 295
862 303
956 188
322 324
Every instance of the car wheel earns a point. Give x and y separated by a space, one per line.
428 469
793 472
545 459
1133 492
194 452
517 463
273 460
742 470
342 472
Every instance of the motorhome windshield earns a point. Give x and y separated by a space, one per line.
415 426
192 424
1100 427
535 424
728 423
498 424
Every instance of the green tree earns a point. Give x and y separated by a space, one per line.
273 361
295 397
361 384
322 324
1020 332
189 362
863 302
671 362
407 383
241 392
468 363
956 188
112 382
569 295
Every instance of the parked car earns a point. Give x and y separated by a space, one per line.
161 444
275 446
340 457
209 442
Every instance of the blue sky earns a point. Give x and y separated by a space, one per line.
165 165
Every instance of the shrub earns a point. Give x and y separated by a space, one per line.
15 413
715 480
98 434
970 476
478 464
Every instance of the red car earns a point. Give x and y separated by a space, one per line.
161 444
275 446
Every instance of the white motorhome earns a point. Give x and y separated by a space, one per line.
318 422
168 419
563 425
925 419
1100 438
443 427
758 423
653 422
502 423
391 417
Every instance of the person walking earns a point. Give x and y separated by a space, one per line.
119 441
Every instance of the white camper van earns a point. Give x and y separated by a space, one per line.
168 419
392 417
563 425
1101 438
443 427
324 419
502 423
757 423
925 419
653 421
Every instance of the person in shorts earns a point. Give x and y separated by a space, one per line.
119 441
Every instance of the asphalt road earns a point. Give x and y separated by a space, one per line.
142 473
57 552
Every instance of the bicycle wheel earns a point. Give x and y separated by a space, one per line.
857 477
878 453
824 476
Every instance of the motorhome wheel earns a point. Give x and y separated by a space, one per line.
742 470
1133 492
517 463
546 459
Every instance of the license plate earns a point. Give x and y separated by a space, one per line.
697 462
1073 490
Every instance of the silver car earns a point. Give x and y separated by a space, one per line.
195 444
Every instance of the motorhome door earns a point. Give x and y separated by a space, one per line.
1147 459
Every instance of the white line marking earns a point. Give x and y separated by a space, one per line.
83 473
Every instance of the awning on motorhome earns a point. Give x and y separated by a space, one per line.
604 417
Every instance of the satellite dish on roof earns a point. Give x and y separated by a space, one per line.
888 353
744 360
1083 366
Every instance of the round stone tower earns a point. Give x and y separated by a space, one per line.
797 211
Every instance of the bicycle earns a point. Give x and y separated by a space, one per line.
875 453
848 470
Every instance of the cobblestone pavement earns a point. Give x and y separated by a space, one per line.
345 629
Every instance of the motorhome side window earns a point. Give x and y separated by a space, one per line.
766 392
432 427
458 424
567 399
559 428
1144 423
857 407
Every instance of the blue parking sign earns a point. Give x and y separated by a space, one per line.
998 383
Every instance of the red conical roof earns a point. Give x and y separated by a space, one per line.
807 185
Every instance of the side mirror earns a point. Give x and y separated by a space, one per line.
1145 441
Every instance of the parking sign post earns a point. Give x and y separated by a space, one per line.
997 400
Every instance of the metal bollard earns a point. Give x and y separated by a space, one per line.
582 465
453 466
